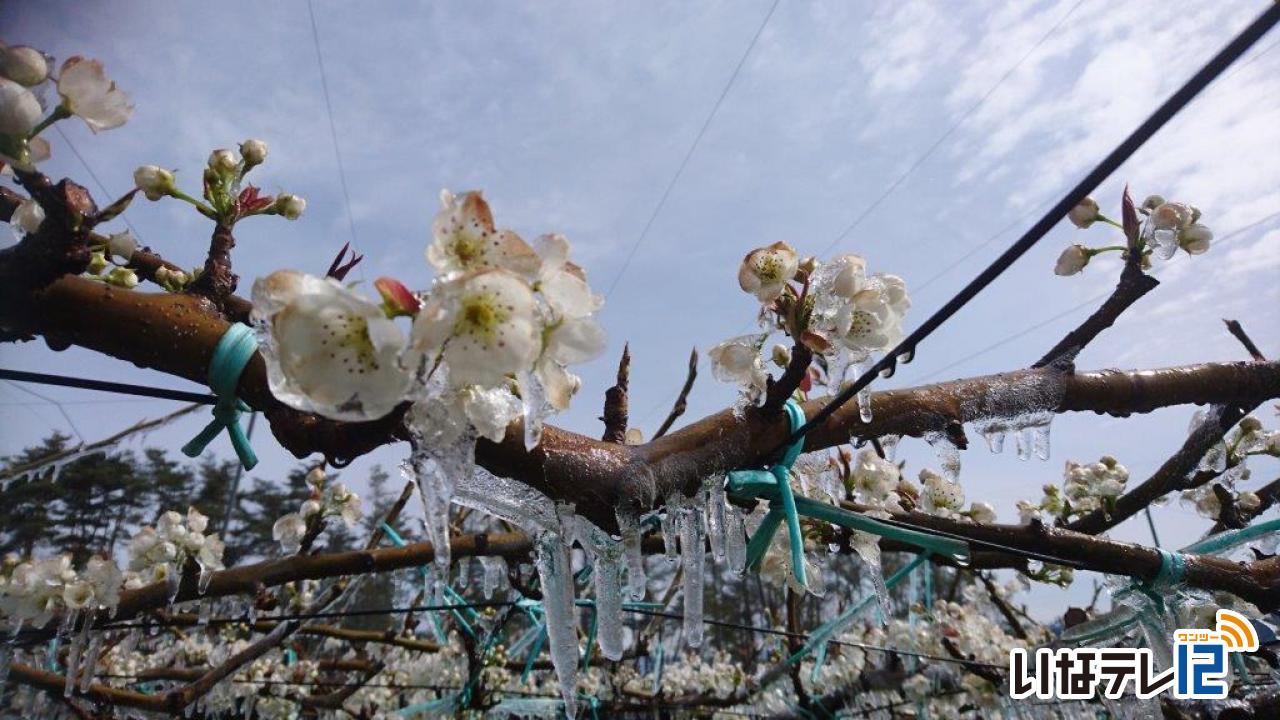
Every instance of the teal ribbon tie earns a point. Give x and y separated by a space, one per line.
785 506
233 352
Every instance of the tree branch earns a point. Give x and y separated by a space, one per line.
1132 286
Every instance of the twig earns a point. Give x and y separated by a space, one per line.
217 282
1003 606
682 400
1233 327
615 401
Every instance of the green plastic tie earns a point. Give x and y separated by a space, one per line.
1227 540
782 506
233 352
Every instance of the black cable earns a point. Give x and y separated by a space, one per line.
105 386
905 350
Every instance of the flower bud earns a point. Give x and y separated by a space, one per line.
28 216
1195 239
154 182
1248 501
1084 213
254 152
396 298
1152 202
1250 424
633 436
24 65
19 109
97 263
290 206
781 355
1071 261
122 245
122 277
223 162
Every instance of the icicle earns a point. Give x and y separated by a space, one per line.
735 540
868 549
715 515
864 404
74 652
1022 440
125 649
464 571
995 440
536 408
692 552
1040 440
90 663
629 526
557 600
606 557
206 607
173 581
948 454
889 443
206 577
668 526
495 569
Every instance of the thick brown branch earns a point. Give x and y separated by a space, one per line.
615 402
682 400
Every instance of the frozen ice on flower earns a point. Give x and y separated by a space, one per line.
328 349
737 360
28 216
941 495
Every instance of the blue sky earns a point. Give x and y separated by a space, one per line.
573 117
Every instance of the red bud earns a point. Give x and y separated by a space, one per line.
396 297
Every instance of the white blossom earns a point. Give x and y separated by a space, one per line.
288 531
1195 239
942 496
224 162
982 512
737 360
87 92
328 349
290 206
24 65
254 152
19 109
765 271
464 239
122 245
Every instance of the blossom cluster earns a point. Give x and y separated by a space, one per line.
1227 464
82 88
1167 227
491 339
328 500
159 553
834 309
1085 489
34 590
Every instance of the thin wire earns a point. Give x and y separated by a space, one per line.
333 129
101 186
893 186
1113 160
1087 303
662 201
104 386
55 403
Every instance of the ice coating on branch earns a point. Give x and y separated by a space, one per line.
629 527
667 524
556 576
436 469
508 499
606 558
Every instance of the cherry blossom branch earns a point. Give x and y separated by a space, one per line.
1003 606
1133 285
615 401
53 683
682 400
1268 495
780 390
1234 327
377 637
